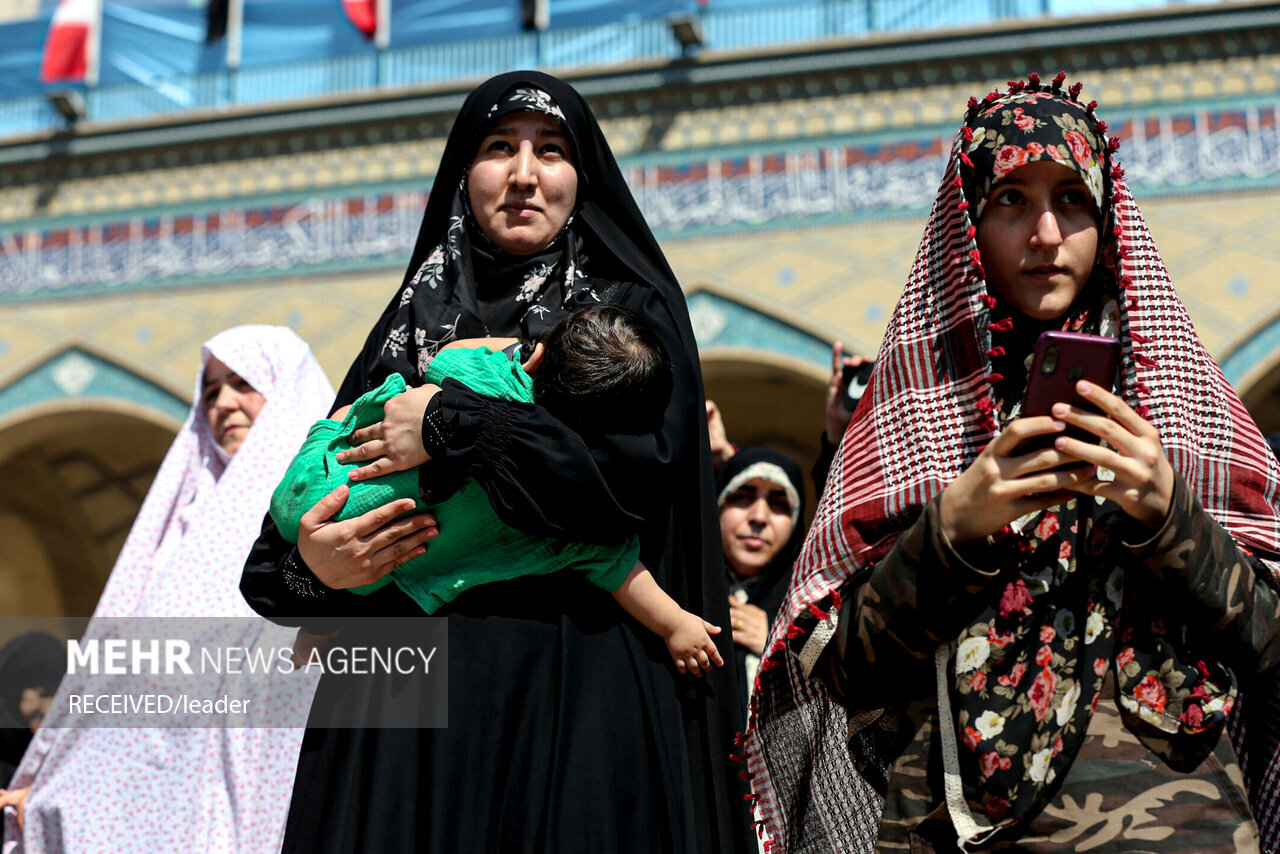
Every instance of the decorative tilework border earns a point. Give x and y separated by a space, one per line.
801 184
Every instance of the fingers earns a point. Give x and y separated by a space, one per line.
698 658
534 359
366 434
379 517
1040 460
1022 429
16 798
714 653
839 361
325 508
1137 450
1115 408
711 628
377 468
1046 482
369 445
379 562
695 664
368 449
1088 452
414 530
837 354
1143 445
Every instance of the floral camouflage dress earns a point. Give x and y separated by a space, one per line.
1118 794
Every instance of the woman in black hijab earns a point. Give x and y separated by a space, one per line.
761 497
568 729
31 666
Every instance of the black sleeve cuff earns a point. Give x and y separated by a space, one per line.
299 578
437 428
451 432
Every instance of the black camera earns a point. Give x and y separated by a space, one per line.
854 379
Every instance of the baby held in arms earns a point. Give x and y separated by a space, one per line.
601 369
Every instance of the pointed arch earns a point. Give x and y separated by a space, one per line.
1253 369
85 436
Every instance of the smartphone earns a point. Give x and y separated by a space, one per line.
854 379
1060 360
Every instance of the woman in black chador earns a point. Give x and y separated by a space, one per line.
568 727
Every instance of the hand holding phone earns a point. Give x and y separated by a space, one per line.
853 380
1060 360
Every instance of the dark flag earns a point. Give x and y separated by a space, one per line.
217 13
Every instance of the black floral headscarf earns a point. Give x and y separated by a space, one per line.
458 284
1025 127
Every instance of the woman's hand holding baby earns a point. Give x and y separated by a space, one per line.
359 551
395 442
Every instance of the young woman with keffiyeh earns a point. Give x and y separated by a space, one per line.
569 729
986 649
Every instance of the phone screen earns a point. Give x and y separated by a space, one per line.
854 382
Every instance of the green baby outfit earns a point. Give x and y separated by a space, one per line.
474 546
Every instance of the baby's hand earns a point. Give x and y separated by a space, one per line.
689 643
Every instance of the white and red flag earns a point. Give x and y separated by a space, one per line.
72 42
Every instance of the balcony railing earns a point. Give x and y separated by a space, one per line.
744 26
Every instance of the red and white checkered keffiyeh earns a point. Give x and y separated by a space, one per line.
929 412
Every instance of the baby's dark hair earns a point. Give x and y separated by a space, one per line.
604 369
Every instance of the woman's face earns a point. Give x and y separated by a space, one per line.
34 704
755 523
230 405
1039 238
522 185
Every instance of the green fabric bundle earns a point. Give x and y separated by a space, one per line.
474 546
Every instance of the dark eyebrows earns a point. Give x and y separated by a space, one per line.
231 377
543 132
770 492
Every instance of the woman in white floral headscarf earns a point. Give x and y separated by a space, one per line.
168 790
